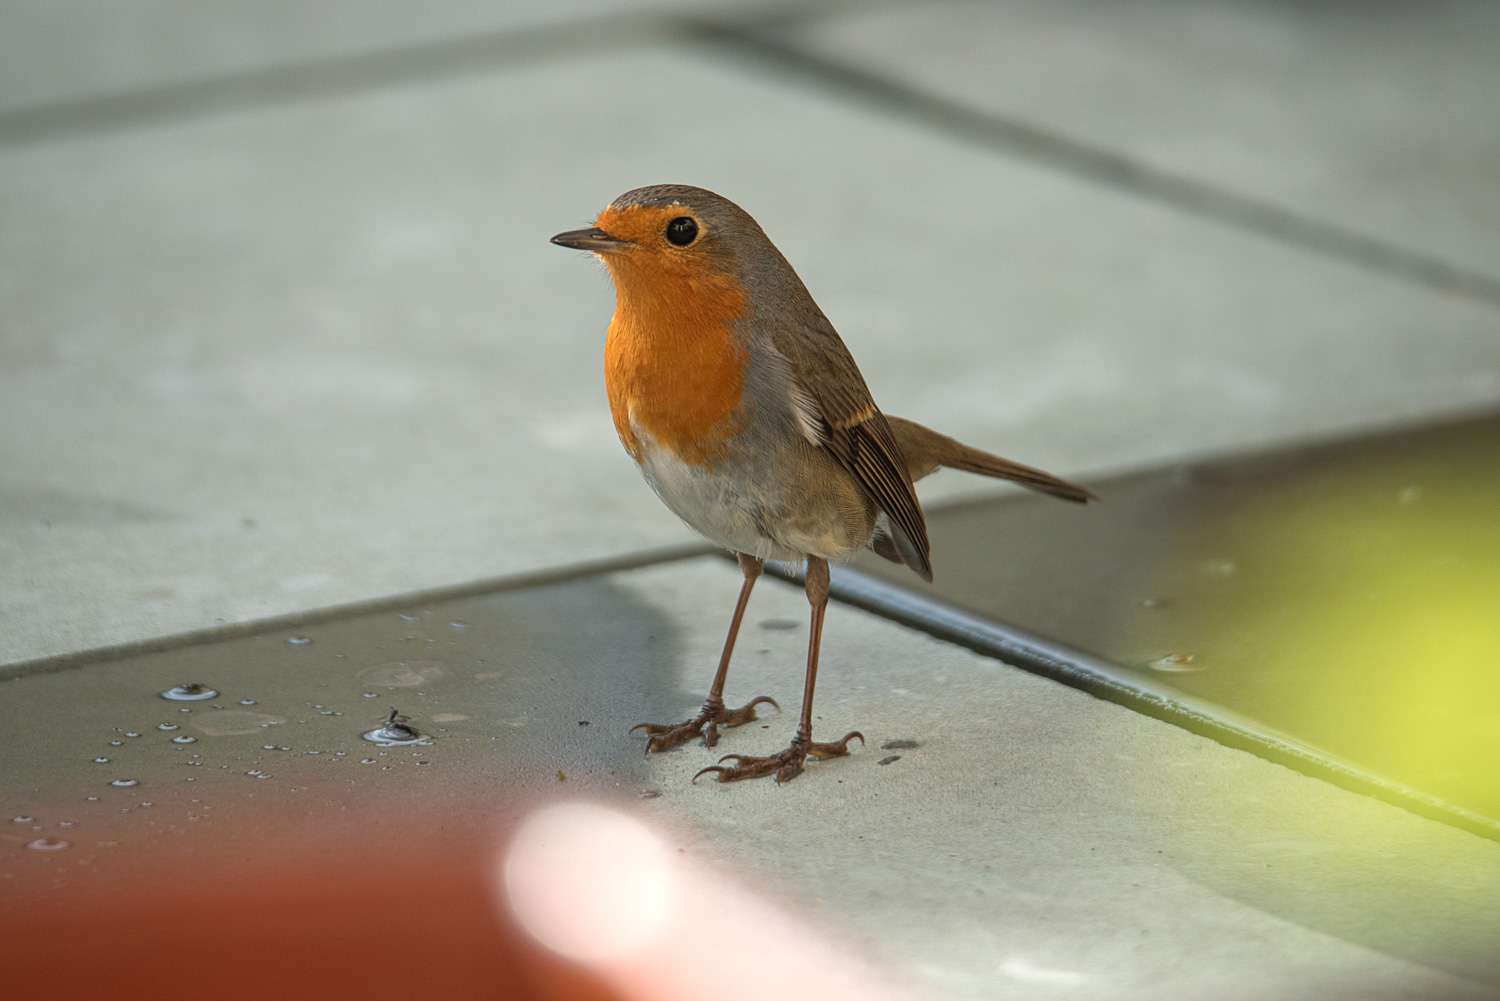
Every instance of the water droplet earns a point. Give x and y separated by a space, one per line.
406 618
268 747
21 820
115 743
67 823
367 761
189 692
372 695
167 726
132 735
146 804
125 783
326 712
299 640
458 624
184 740
101 761
92 799
247 702
385 738
1176 663
48 845
394 731
253 771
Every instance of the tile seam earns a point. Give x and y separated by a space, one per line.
375 69
294 620
368 71
333 76
763 50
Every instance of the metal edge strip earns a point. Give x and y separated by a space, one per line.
1107 681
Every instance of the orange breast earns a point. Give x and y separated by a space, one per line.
672 365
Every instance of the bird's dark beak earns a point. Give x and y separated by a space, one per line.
594 239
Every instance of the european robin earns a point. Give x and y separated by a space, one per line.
747 415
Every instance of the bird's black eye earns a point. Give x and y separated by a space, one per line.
682 231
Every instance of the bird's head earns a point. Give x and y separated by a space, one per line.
672 240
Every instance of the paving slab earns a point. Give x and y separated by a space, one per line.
1023 840
303 355
1333 604
71 50
1376 119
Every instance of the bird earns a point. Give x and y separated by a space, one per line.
748 417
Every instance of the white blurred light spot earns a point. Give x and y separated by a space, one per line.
588 882
1022 970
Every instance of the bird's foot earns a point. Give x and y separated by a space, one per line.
786 764
713 715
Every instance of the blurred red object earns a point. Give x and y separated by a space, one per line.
381 923
579 901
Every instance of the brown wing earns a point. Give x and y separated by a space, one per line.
856 433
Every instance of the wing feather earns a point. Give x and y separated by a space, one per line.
855 432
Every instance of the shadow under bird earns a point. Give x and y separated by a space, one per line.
747 415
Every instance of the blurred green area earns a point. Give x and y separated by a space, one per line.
1347 594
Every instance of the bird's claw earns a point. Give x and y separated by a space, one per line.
713 715
786 764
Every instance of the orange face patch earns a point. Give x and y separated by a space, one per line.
673 366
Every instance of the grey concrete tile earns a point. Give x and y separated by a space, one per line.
1378 118
1040 840
310 354
71 49
1283 592
1035 841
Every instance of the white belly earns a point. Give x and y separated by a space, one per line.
747 513
715 506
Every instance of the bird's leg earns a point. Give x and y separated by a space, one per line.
788 763
713 714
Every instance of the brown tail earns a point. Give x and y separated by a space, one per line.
925 450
